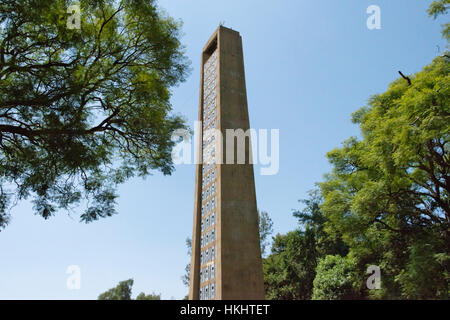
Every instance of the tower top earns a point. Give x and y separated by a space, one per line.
215 35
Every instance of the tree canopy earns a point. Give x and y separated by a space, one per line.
82 110
120 292
388 193
385 203
290 269
123 292
336 279
440 7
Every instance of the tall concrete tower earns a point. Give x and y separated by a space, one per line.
226 256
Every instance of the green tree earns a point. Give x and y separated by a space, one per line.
123 292
437 8
265 224
153 296
312 220
336 279
385 203
290 269
82 110
187 269
388 193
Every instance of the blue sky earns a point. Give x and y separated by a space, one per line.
309 65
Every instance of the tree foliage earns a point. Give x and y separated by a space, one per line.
82 110
337 279
186 277
265 225
153 296
290 269
386 201
440 7
388 193
123 291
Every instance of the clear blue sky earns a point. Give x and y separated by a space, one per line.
309 65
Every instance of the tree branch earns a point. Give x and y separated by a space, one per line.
405 77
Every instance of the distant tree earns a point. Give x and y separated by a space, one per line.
83 110
290 269
312 220
123 292
265 224
153 296
187 269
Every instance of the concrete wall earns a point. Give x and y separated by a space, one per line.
242 276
